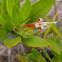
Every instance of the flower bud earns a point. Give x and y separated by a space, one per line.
16 29
40 20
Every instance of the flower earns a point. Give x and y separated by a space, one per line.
40 24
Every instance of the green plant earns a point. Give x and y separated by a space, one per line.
36 56
13 18
54 43
12 21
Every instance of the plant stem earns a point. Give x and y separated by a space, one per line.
9 54
55 9
22 49
20 46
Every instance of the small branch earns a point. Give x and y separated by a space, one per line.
22 49
20 46
9 55
55 9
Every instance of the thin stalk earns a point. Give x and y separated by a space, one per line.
20 47
55 9
9 55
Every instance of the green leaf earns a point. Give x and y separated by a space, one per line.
9 7
4 4
3 33
17 3
9 24
46 55
52 38
48 19
42 59
57 40
34 55
55 54
2 22
60 58
40 9
54 59
61 43
34 41
7 19
17 17
56 30
0 5
26 9
31 56
12 42
10 4
23 58
55 47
